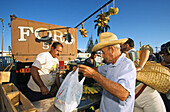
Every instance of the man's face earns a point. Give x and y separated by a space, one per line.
167 58
124 47
56 52
106 55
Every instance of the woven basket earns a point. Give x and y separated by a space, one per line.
156 76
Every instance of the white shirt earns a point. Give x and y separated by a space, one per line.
132 50
48 68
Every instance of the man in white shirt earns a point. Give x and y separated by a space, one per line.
128 46
44 73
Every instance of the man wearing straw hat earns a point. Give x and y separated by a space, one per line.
117 76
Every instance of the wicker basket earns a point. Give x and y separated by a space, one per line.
156 76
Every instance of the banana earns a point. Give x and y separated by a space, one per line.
113 11
91 90
107 18
99 24
105 22
85 89
94 90
116 10
83 32
102 20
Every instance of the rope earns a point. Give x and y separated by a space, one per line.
113 3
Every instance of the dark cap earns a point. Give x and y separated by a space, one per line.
167 48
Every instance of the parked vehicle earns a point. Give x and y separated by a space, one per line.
29 38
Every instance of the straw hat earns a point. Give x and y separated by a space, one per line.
107 39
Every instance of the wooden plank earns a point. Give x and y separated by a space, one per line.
45 105
20 108
31 110
14 97
25 102
8 104
2 108
9 88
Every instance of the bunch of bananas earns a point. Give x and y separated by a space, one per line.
113 11
91 90
83 32
104 17
102 20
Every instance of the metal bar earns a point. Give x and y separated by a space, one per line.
94 13
54 29
2 35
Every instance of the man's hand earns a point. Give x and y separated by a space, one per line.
87 71
44 90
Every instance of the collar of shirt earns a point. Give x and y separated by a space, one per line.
132 50
118 61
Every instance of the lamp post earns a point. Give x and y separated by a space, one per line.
2 35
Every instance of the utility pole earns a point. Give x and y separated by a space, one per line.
9 49
156 49
140 44
2 35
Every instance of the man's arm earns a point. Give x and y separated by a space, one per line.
112 87
38 81
58 80
95 68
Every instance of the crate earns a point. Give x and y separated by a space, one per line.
14 100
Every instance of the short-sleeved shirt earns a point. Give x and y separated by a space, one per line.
48 68
89 63
132 54
124 73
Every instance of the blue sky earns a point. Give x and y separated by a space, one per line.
145 21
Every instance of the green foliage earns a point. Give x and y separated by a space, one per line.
96 42
90 45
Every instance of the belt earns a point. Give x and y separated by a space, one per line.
140 91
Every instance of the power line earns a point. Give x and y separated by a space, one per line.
94 13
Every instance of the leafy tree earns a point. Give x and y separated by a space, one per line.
96 42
